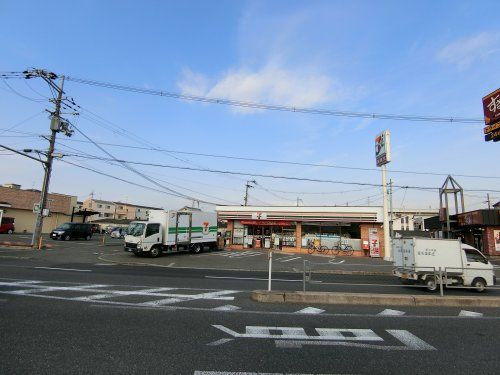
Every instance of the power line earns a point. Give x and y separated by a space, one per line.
272 176
282 161
133 170
253 105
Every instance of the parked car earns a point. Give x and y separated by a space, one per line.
7 225
118 233
68 231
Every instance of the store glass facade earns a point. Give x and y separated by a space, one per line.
331 234
264 235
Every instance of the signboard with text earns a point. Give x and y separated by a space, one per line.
383 148
491 109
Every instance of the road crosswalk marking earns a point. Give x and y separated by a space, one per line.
103 293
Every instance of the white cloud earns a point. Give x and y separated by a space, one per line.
463 52
271 85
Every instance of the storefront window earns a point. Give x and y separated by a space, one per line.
331 234
268 236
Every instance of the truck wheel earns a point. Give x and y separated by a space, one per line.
197 249
88 237
479 284
431 284
67 237
155 252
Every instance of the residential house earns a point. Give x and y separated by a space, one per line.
19 204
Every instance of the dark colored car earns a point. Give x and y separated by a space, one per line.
7 225
68 231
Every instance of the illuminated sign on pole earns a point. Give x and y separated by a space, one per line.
491 109
383 148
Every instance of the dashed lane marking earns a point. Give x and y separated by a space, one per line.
226 308
62 269
287 259
310 310
390 312
470 314
258 279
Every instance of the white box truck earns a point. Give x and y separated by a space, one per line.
172 231
419 260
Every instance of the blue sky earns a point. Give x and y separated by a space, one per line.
423 57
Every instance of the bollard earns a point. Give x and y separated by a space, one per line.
270 269
440 281
304 277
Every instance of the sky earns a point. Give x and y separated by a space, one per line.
424 58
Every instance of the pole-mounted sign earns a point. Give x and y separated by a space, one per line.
383 148
491 109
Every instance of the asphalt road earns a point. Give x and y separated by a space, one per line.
66 310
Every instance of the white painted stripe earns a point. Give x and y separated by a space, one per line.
247 373
289 259
219 342
255 278
411 341
470 314
310 310
389 312
171 264
226 308
105 264
62 269
218 295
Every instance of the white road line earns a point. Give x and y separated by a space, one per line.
255 278
62 269
171 264
218 295
245 373
411 341
288 260
310 310
105 264
226 308
389 312
470 314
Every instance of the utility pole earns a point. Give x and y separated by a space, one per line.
55 125
488 200
391 221
248 186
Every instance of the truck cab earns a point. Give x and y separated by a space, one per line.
144 237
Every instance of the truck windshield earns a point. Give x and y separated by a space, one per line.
475 256
136 229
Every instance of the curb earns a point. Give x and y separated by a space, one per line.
23 245
335 298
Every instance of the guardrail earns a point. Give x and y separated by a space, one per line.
443 277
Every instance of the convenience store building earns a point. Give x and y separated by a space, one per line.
291 229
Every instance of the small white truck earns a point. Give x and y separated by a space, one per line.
172 231
423 260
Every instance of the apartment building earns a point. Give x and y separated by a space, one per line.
116 210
